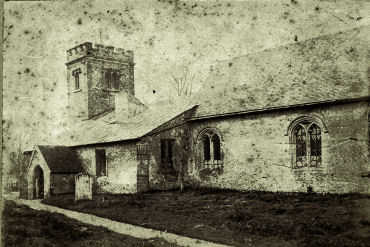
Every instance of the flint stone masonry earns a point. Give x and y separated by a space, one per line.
88 49
251 102
257 156
77 99
62 183
100 98
160 179
94 98
178 130
121 167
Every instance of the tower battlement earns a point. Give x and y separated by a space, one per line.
95 73
99 51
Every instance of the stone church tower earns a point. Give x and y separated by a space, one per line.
95 75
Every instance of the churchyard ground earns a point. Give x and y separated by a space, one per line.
23 226
239 218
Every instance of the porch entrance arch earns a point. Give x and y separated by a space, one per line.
38 183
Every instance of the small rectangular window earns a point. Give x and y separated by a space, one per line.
76 73
167 152
77 81
101 163
142 151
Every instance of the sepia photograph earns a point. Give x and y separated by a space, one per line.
198 123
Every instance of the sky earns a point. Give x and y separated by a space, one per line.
166 36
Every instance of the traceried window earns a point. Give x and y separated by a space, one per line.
301 146
76 74
211 149
216 147
207 147
308 145
314 132
111 80
101 162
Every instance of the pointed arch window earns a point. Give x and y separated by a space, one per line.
216 147
211 149
307 142
315 144
301 146
207 147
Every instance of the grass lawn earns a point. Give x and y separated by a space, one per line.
23 226
237 218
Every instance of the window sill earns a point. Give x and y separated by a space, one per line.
308 168
78 90
111 90
101 176
214 171
213 164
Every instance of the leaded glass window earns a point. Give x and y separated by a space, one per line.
216 147
206 147
301 146
315 145
308 145
211 150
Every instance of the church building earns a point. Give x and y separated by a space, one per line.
294 118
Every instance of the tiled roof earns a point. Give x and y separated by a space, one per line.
106 129
327 68
61 159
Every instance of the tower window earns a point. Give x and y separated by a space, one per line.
76 74
111 80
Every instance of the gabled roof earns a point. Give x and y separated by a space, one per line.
61 159
328 68
106 129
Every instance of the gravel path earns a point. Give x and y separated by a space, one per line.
123 228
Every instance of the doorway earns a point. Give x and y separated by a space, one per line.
38 183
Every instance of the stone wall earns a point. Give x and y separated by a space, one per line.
93 97
163 179
121 166
77 99
62 183
177 129
100 98
37 160
256 151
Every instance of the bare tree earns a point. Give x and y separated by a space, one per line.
183 81
17 137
